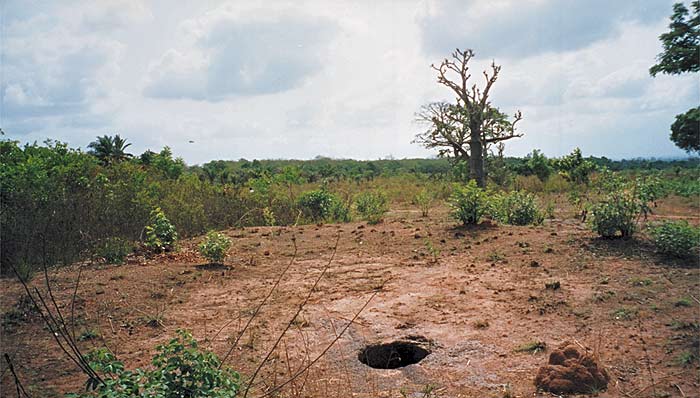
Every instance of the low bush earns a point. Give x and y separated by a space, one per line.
321 205
616 215
161 235
518 208
371 206
677 238
114 250
469 203
214 247
424 201
179 370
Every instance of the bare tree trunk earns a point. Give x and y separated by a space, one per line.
476 156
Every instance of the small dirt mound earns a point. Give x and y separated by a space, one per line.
570 371
392 355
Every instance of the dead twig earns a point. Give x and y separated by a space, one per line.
18 384
291 321
262 303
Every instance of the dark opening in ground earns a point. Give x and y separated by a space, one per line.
392 355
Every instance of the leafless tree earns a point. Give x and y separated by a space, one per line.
469 127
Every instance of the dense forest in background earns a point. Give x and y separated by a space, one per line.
61 204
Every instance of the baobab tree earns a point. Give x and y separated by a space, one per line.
466 129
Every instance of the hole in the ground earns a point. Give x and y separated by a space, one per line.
392 355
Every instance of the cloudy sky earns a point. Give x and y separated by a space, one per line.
298 79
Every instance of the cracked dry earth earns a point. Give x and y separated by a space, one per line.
471 296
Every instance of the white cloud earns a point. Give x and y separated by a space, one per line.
233 53
305 78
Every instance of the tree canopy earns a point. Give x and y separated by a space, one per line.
681 44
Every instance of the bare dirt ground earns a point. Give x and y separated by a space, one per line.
472 296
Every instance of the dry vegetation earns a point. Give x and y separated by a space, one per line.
473 296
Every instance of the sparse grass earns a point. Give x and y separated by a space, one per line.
682 325
532 347
625 313
641 282
88 335
434 252
495 256
686 358
683 302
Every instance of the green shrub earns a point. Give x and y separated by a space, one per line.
371 206
616 214
180 370
424 200
114 250
161 235
214 247
518 208
321 205
677 238
469 203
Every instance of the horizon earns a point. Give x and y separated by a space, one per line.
341 79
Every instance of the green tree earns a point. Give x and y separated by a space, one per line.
538 164
681 44
470 126
685 131
574 168
109 149
681 54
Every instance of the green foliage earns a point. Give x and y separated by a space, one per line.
424 201
179 370
321 205
161 235
677 238
214 247
538 165
164 163
681 44
574 168
518 208
371 206
685 131
532 347
114 250
109 149
469 203
616 215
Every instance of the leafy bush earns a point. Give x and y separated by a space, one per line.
574 167
114 250
371 206
161 235
617 213
180 370
538 165
518 208
469 203
214 247
424 200
321 205
677 238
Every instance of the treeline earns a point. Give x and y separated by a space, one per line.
60 204
320 168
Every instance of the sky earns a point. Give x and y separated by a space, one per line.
344 79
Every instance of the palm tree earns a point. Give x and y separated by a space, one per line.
109 149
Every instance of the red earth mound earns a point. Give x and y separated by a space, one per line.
570 371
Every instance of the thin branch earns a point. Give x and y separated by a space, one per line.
257 310
328 347
291 321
